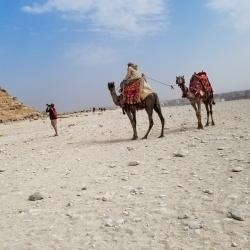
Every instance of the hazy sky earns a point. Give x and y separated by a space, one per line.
65 51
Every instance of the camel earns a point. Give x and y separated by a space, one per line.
196 101
150 103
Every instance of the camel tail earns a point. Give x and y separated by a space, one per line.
157 105
157 101
213 102
157 108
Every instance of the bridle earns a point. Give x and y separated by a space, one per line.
180 81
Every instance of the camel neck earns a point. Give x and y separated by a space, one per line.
184 90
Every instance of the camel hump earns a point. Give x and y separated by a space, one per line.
200 85
202 73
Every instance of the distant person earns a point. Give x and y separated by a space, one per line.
53 116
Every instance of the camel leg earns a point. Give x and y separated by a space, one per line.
211 112
207 109
149 109
133 123
157 109
200 126
198 113
134 118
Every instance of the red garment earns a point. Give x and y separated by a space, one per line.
52 113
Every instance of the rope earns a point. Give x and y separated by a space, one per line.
152 79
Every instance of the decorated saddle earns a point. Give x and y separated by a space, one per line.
200 85
132 92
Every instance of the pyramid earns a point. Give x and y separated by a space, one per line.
13 110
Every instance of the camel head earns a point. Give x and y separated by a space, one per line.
111 86
116 98
180 81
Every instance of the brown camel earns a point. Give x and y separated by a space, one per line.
195 101
150 103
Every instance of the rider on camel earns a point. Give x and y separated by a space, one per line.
132 75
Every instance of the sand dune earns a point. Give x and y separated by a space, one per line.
101 190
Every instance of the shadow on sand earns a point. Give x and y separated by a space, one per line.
168 131
109 141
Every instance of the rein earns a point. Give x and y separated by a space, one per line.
154 80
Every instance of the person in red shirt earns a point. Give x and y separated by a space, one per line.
53 116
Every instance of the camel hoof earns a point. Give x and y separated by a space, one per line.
213 124
161 136
144 138
134 137
207 124
200 127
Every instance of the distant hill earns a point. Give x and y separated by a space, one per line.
13 110
234 95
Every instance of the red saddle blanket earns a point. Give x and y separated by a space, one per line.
132 92
200 85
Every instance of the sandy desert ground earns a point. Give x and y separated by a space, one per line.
180 192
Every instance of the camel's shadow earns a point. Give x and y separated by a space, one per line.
114 141
169 131
129 140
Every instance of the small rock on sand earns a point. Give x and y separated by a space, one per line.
108 222
178 155
236 214
137 219
237 169
220 148
133 163
207 191
130 149
35 197
196 224
183 216
234 244
112 166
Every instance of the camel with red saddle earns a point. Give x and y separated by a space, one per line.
199 91
132 99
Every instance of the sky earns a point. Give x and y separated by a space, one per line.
66 51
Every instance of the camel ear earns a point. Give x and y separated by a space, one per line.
111 85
